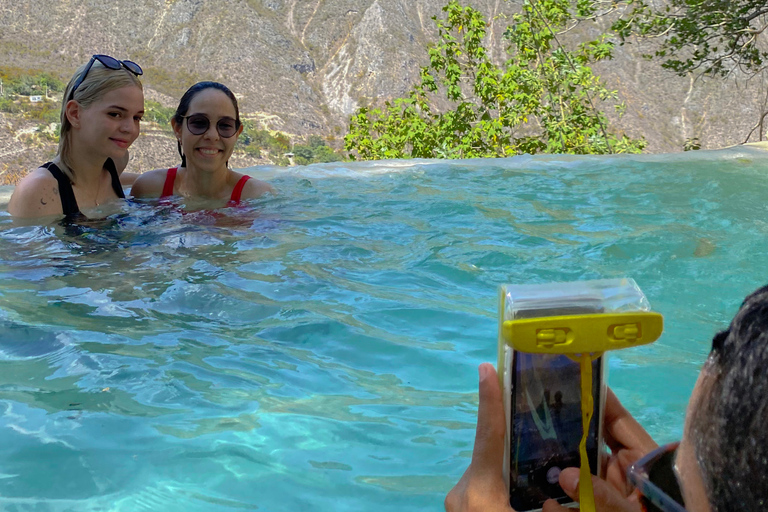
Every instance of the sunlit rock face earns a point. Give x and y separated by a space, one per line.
303 66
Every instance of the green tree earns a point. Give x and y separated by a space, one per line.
543 98
10 106
315 151
17 81
708 36
155 112
303 155
315 141
324 154
253 140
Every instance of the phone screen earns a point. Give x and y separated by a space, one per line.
546 427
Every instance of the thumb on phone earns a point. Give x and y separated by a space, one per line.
607 499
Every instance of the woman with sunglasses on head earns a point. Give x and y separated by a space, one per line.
206 125
100 114
720 465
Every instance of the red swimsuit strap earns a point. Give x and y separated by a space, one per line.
170 177
238 190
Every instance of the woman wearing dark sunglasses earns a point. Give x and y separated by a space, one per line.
100 114
720 465
206 125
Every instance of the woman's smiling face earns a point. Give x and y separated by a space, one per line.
110 125
208 151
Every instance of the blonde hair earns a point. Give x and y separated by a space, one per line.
99 81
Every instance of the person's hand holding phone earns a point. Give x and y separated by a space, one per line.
628 442
607 498
482 487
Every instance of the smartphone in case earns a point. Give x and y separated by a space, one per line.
542 394
542 391
544 421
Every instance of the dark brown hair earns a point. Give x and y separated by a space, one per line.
729 428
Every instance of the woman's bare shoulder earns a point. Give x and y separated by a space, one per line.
36 195
149 184
128 178
256 188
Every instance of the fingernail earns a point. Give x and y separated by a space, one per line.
570 483
483 369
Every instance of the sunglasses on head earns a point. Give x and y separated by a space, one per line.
655 477
110 63
198 124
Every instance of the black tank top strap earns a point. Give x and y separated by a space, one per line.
116 186
68 202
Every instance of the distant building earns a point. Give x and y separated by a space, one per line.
35 99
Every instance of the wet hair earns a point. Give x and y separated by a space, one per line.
99 81
729 428
185 101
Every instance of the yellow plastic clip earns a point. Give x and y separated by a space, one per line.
580 334
586 492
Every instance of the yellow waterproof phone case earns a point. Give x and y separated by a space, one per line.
552 340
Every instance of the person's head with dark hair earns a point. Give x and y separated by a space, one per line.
183 110
207 125
727 425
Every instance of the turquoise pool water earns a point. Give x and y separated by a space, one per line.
319 349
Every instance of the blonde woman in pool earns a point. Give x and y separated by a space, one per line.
206 125
100 114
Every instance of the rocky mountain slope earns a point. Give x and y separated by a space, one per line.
302 66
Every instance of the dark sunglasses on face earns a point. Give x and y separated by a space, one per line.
655 477
198 124
110 63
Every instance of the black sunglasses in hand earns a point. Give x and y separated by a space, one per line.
110 63
198 124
